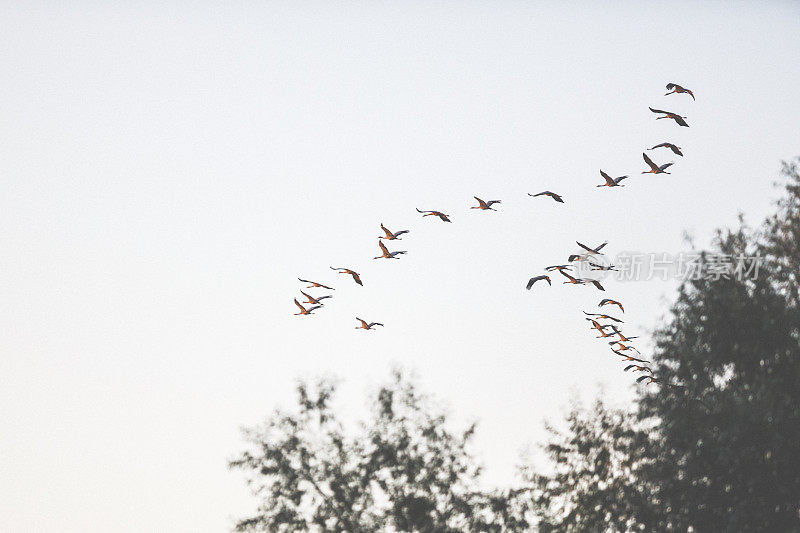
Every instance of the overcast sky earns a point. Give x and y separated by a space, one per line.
168 171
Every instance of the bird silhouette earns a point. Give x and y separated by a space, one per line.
675 88
485 205
552 195
535 279
353 273
442 216
392 236
668 114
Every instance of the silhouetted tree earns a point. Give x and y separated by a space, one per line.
404 471
594 485
716 447
729 449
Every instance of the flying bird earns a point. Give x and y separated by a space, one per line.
386 253
638 368
611 182
365 325
607 301
353 273
595 266
668 114
552 195
570 279
606 317
598 326
442 216
578 257
311 300
630 358
558 267
591 251
303 310
485 205
392 236
623 338
651 378
586 281
604 334
675 149
535 279
655 169
675 88
622 348
315 284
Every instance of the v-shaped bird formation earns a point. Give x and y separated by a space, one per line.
606 326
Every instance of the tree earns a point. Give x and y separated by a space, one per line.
730 438
403 471
594 485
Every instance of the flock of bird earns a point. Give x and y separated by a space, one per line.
620 343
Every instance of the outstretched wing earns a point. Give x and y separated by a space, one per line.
596 284
383 247
567 276
610 182
298 305
356 278
658 111
680 120
388 233
481 203
649 162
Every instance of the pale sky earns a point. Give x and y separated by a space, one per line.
170 169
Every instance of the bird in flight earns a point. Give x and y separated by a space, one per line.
586 281
311 300
485 205
535 279
591 251
622 348
552 195
608 301
392 236
629 358
595 266
655 169
675 88
668 114
558 267
604 334
570 279
599 327
315 284
611 182
303 310
650 377
638 368
623 338
353 273
675 149
578 257
365 325
442 216
606 317
386 253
